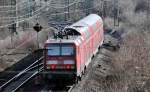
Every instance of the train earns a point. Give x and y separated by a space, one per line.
68 54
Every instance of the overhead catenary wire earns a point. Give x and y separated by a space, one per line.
77 1
16 10
46 4
51 14
38 14
51 7
47 29
33 13
74 11
15 4
25 18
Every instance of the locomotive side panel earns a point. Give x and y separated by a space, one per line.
78 59
92 32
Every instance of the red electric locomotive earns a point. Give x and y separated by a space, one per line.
67 57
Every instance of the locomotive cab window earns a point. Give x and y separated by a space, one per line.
60 49
67 50
53 50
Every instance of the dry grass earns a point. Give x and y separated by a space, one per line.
133 61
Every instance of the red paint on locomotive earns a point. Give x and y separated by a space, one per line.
67 58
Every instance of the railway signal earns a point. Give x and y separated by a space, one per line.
37 28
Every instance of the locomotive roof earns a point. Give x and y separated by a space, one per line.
83 25
71 39
79 30
88 21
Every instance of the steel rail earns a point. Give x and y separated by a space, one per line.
34 74
34 67
71 88
18 75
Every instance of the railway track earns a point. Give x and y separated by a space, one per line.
22 64
71 87
21 78
64 89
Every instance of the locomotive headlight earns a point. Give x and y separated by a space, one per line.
48 67
69 62
65 64
50 62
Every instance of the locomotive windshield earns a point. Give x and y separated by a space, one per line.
59 49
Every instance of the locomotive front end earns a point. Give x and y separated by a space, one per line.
60 61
